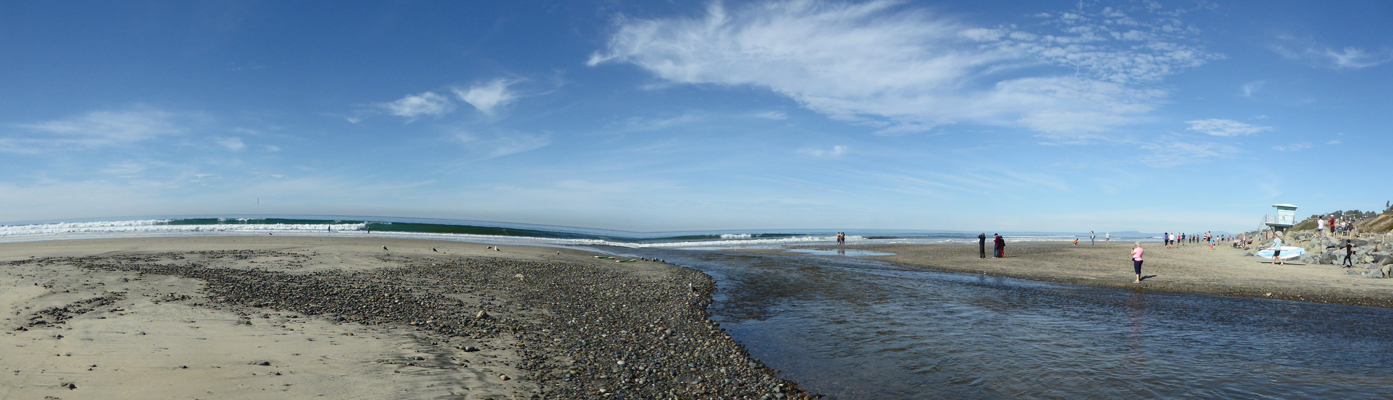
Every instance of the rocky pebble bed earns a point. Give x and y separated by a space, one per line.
582 331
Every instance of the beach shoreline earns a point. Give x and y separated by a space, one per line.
294 317
1191 268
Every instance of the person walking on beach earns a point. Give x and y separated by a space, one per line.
1277 248
1349 254
1076 242
1136 261
1092 238
1107 238
1000 248
982 245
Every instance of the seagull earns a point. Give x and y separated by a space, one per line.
433 249
385 248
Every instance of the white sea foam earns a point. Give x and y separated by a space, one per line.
155 226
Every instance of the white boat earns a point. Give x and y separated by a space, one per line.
1288 252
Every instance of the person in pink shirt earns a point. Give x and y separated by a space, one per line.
1136 261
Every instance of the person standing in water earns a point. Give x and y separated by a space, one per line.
1136 261
982 245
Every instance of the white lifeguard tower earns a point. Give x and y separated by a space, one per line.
1285 218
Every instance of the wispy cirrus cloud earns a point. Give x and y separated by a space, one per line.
1320 55
417 105
1252 87
489 96
484 146
904 69
1293 147
1224 127
92 130
834 152
1172 153
232 143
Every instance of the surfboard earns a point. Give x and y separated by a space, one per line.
1288 252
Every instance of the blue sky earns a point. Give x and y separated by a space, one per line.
653 116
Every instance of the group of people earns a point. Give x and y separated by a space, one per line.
998 245
1093 238
841 237
1333 226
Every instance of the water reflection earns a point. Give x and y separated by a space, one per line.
1136 312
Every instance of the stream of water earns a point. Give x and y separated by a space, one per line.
858 329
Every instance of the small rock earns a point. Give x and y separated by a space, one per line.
503 377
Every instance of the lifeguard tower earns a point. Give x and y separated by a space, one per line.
1285 218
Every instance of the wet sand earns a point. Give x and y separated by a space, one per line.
302 317
1191 268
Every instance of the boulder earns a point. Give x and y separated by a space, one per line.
1360 242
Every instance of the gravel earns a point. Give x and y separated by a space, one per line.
582 331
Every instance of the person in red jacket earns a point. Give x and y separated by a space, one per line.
1000 246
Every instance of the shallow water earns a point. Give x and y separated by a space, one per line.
860 329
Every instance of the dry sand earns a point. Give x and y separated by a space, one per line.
1191 268
138 344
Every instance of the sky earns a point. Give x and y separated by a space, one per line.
1057 116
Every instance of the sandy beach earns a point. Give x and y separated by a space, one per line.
306 317
1191 268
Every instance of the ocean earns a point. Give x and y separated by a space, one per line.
492 232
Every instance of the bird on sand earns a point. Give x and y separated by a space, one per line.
385 248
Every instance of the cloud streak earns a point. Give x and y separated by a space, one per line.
1323 56
92 130
413 106
1224 127
908 70
489 96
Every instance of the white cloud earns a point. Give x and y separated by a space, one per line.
232 143
272 148
499 144
1224 127
903 70
1252 87
412 106
1324 56
774 115
836 151
489 96
1172 153
1333 142
94 129
1293 147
